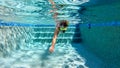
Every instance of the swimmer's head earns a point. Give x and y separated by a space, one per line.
63 25
63 31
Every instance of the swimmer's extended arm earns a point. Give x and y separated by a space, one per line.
55 36
54 9
53 4
51 49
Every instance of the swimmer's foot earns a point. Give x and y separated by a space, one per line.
51 49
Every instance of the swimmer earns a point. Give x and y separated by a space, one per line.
61 26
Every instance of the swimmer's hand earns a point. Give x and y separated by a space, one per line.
51 49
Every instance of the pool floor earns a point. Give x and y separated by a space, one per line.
64 56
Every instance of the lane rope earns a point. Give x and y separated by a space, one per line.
50 25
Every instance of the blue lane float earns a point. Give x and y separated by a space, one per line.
89 25
101 24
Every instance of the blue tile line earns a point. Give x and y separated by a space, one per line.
49 25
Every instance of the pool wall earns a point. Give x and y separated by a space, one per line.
103 41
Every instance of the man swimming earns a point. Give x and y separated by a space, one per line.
61 26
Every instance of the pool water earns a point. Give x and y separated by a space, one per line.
27 28
27 47
38 11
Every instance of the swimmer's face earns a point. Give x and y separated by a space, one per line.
63 31
64 23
